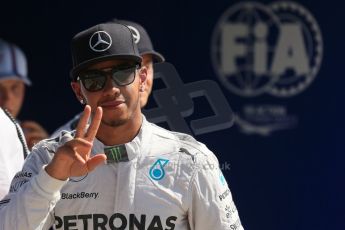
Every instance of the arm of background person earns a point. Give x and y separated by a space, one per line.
11 153
33 194
33 132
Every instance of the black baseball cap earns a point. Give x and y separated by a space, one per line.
100 43
142 39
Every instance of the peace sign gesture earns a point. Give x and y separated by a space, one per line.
73 158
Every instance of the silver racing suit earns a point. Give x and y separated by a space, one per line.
161 180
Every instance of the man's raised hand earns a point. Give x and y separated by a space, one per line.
73 159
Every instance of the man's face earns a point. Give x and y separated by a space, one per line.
120 103
147 62
12 95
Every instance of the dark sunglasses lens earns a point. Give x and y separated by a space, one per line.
124 76
93 81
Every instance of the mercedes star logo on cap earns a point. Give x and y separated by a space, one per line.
100 41
135 33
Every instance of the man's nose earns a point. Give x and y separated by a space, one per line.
110 86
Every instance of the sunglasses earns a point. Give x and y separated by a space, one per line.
95 80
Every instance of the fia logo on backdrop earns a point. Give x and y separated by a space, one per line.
273 50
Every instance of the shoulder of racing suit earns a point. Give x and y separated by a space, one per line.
196 153
182 140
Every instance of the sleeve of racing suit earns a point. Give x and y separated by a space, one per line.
212 206
32 197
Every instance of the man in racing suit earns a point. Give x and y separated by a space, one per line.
120 171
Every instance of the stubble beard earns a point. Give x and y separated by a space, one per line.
120 121
115 123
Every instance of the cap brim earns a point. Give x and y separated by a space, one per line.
13 76
76 70
157 57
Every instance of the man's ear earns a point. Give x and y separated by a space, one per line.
77 90
142 77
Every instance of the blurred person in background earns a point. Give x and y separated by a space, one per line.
13 81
